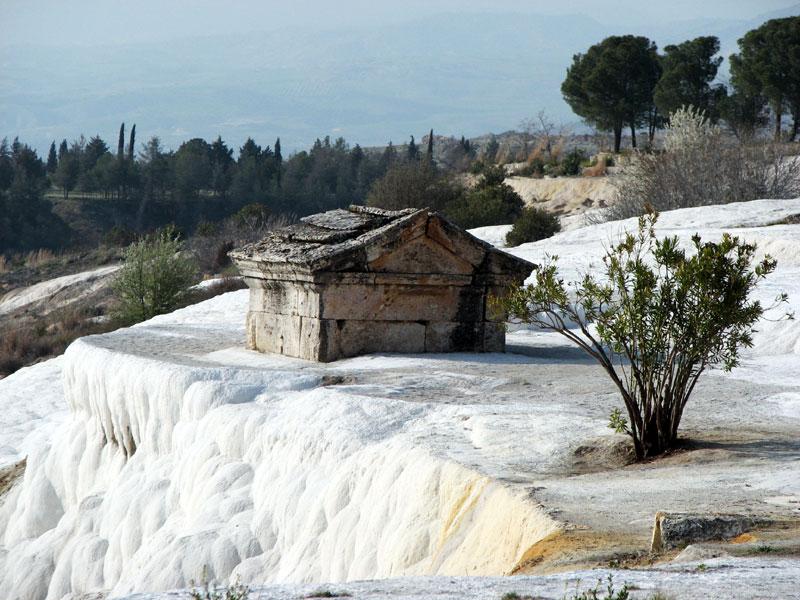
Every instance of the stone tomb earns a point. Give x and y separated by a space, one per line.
350 282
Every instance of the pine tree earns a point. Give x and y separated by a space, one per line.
62 149
767 65
689 70
93 151
52 159
612 84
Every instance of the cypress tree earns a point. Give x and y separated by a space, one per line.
429 152
121 173
278 160
62 149
121 143
131 143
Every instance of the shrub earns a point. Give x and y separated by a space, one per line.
572 162
24 341
208 228
210 591
413 185
532 225
700 167
252 217
534 168
154 278
119 236
609 592
492 202
655 321
211 243
485 206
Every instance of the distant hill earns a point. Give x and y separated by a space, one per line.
458 73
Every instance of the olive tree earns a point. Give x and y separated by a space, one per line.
655 319
156 275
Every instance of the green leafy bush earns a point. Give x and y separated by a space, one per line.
155 277
492 202
532 225
572 162
655 318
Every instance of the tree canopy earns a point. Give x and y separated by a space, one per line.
612 84
689 70
768 65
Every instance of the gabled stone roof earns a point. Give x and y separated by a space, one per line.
346 240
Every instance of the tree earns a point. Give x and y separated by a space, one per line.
413 185
543 130
700 167
52 159
193 167
122 166
27 221
655 320
429 150
492 147
389 157
612 84
744 113
767 65
62 149
250 150
6 165
278 161
121 143
156 275
412 153
155 174
132 144
221 166
106 174
68 171
95 148
688 72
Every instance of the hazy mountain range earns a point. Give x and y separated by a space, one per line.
458 73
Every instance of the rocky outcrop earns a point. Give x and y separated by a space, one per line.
676 530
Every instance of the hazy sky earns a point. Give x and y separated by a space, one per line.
120 21
369 70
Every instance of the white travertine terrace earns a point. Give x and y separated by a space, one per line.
157 451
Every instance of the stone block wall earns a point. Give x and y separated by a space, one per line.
326 322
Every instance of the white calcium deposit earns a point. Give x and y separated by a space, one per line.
168 467
164 451
57 292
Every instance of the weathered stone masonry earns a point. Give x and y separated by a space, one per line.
350 282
